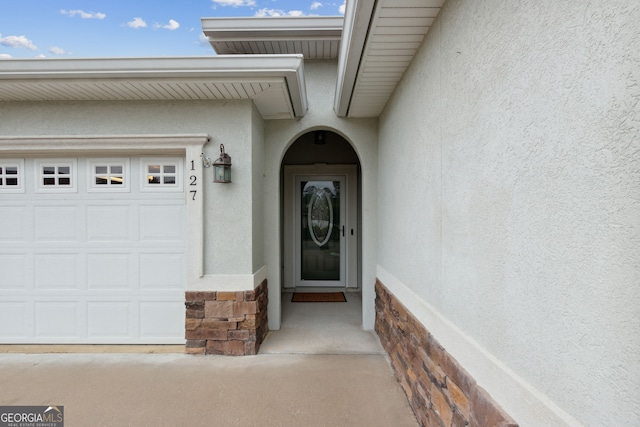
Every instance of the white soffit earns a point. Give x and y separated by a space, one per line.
274 82
381 38
315 37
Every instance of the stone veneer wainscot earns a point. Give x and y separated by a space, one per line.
440 391
226 323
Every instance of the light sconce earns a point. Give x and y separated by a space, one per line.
319 137
221 166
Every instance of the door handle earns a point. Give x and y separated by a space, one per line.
343 231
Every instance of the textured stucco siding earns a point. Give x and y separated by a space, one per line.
257 189
510 194
228 242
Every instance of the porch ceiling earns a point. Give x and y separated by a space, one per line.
314 37
382 38
275 83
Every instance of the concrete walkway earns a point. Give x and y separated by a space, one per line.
322 328
184 390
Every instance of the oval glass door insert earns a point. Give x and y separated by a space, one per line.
320 217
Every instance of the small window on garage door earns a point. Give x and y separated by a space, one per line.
161 174
109 175
11 176
56 175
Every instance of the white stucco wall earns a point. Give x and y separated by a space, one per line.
228 223
257 190
320 79
514 195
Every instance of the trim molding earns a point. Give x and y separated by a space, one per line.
93 143
228 282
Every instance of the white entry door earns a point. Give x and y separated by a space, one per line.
321 229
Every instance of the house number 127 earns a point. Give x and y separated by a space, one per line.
193 181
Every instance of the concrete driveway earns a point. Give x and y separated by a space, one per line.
111 389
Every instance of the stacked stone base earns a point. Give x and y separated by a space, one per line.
226 323
440 391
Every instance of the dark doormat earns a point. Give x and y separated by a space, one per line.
318 297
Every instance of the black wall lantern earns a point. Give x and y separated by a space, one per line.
221 166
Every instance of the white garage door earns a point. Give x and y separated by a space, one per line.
92 250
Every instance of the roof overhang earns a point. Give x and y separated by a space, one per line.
275 83
315 37
375 43
379 42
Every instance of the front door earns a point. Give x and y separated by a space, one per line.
320 226
319 231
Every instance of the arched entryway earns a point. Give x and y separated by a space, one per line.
320 170
320 175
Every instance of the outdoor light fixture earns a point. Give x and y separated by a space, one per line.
206 161
222 167
319 137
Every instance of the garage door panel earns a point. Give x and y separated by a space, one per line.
109 271
161 319
13 271
109 319
57 271
161 271
161 223
12 223
57 319
57 223
109 223
13 320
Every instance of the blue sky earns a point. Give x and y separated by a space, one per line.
124 28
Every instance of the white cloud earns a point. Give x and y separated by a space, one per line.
41 56
342 8
172 25
5 56
58 50
137 23
203 41
83 14
278 12
17 42
234 3
315 5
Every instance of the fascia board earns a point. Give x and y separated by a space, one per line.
358 17
222 66
266 27
297 88
245 37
